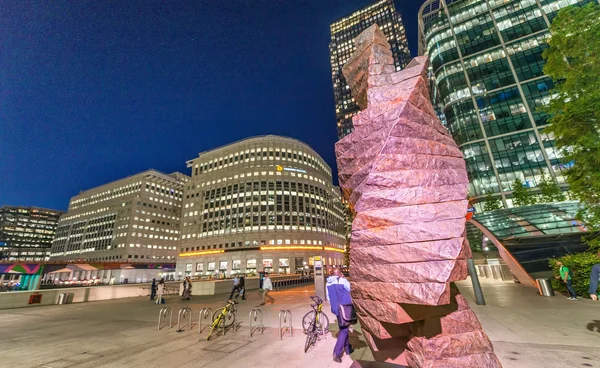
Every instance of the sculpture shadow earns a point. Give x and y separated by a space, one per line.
367 364
594 326
354 336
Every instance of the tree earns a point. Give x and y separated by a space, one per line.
492 203
521 195
573 63
550 190
581 264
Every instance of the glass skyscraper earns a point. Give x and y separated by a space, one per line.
486 72
343 33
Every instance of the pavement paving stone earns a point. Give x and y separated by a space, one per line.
527 331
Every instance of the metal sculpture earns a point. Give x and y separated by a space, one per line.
406 182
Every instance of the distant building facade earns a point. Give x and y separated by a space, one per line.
343 32
260 204
135 219
486 69
26 233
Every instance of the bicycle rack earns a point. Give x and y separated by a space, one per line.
163 313
205 313
256 314
289 327
185 311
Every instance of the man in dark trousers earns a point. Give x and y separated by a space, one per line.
565 276
242 288
236 286
153 290
594 280
338 293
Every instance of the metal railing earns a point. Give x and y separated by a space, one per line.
283 314
255 314
164 312
185 311
280 284
205 314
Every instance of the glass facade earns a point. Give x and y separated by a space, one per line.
26 233
343 32
536 220
486 76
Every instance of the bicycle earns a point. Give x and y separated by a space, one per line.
315 323
223 317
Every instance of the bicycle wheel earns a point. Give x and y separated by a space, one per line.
218 321
307 320
323 324
311 339
228 319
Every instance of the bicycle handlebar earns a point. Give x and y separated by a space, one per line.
316 299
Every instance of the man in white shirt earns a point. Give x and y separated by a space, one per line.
267 286
236 286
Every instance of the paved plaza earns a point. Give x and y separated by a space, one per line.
526 329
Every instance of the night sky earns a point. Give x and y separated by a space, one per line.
93 91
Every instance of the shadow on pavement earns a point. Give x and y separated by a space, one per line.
594 326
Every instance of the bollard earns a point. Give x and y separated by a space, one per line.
205 313
163 313
185 311
284 314
545 287
254 314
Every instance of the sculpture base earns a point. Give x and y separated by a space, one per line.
364 364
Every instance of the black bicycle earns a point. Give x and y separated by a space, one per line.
315 323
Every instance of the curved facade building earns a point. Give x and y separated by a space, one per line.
260 204
486 71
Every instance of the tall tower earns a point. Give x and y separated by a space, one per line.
343 32
486 68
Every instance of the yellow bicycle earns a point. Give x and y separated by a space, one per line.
314 323
223 317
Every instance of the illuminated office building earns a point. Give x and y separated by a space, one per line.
486 68
343 32
134 219
26 233
260 204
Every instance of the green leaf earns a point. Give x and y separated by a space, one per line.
573 62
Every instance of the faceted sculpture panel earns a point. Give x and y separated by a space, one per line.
406 182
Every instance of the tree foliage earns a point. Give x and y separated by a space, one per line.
550 190
521 195
573 62
492 203
581 264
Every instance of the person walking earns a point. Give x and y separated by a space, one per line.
160 290
267 287
338 294
187 288
594 280
153 289
565 275
236 286
242 288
